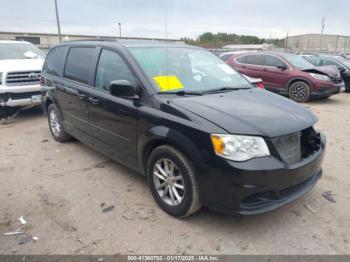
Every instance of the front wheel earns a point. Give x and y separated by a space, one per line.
299 92
172 181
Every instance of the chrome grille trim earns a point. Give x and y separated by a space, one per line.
23 78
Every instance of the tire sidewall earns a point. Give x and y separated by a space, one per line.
61 136
182 209
307 88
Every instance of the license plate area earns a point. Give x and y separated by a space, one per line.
36 99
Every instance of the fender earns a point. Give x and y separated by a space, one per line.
158 135
300 78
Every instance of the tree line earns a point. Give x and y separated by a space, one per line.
218 40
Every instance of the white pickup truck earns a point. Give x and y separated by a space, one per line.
20 68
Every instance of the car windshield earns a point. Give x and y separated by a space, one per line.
297 61
346 63
20 51
176 69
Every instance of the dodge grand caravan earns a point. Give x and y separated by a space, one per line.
197 129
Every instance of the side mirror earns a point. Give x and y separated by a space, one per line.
282 67
124 89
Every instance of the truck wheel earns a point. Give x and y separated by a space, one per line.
299 92
172 181
55 124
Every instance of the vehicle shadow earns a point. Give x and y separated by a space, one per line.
14 115
328 101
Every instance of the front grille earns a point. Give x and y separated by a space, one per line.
288 147
295 147
26 95
336 79
23 78
310 142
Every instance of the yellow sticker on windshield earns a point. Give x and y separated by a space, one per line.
168 83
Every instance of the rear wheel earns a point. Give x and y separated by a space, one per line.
299 92
172 181
55 124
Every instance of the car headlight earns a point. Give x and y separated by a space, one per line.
320 77
239 148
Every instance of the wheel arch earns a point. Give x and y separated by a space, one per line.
162 135
298 79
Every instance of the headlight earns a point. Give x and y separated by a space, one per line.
320 77
239 148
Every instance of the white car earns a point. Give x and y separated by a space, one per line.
20 68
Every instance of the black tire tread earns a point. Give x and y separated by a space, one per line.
308 90
195 205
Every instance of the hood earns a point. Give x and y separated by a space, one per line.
251 112
325 70
13 65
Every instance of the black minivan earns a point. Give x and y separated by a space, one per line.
198 131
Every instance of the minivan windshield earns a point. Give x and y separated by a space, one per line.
20 51
297 61
175 69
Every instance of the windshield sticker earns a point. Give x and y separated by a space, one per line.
227 69
29 54
168 83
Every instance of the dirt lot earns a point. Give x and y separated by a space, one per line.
61 190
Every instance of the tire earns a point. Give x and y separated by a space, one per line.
56 125
186 201
299 92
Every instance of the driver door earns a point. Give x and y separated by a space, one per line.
112 119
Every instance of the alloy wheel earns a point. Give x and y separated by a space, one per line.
168 182
298 92
54 123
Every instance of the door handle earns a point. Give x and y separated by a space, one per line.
93 100
80 95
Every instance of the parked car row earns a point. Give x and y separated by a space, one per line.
289 74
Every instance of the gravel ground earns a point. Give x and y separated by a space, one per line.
62 189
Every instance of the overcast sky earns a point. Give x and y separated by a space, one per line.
185 18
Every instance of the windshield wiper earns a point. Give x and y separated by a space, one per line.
182 93
224 89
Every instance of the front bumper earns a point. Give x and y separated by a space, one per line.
328 91
18 96
258 185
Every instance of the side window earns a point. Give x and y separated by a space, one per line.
54 62
79 63
255 60
111 67
273 61
242 59
327 62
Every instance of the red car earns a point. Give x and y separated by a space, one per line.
289 74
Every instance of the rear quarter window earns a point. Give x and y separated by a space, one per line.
79 63
54 62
